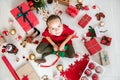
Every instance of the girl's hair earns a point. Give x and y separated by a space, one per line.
52 17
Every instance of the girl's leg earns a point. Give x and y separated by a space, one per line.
46 51
41 47
70 52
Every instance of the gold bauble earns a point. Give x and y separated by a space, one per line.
101 24
12 31
32 56
59 67
79 1
36 0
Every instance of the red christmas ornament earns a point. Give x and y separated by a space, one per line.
5 32
19 37
88 72
3 50
30 4
94 6
88 34
36 42
86 8
91 65
94 77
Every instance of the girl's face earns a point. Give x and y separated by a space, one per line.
55 27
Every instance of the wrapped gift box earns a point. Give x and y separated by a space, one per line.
106 40
93 46
25 17
26 72
104 58
84 20
72 11
64 2
2 40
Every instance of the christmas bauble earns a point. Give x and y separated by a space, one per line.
95 77
88 72
32 56
98 69
60 67
36 0
12 31
84 78
91 65
101 24
79 1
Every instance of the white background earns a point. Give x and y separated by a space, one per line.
109 7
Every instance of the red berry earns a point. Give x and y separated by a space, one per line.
23 56
94 6
86 8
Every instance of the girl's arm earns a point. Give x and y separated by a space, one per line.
65 41
52 43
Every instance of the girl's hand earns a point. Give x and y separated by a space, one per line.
55 47
61 48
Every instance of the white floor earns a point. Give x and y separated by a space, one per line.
111 10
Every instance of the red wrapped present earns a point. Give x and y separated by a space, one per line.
72 11
25 17
106 40
93 46
84 20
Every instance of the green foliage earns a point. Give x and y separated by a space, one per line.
40 4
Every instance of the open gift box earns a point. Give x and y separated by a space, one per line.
25 16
